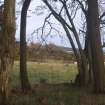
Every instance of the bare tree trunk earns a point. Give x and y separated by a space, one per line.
96 49
25 85
82 61
88 54
7 53
79 78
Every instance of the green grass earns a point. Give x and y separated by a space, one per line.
51 72
54 93
67 96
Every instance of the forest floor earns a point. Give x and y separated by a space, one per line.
52 84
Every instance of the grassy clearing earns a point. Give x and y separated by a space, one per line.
55 93
50 72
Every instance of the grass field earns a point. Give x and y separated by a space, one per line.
55 92
50 72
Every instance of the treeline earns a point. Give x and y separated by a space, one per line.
42 53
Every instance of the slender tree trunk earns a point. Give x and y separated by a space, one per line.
25 85
87 51
79 81
6 54
88 54
82 62
96 49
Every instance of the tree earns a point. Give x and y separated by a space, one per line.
88 13
69 28
92 42
25 85
6 51
96 47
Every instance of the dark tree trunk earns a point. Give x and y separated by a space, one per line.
25 85
87 51
96 49
7 49
79 81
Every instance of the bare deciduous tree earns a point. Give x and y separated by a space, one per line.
93 40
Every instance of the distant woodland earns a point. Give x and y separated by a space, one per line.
43 53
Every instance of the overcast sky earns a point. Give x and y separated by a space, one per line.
35 21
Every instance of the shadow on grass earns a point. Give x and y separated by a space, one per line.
56 94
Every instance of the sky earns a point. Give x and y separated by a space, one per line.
34 21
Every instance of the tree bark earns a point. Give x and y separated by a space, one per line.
7 49
25 85
96 49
